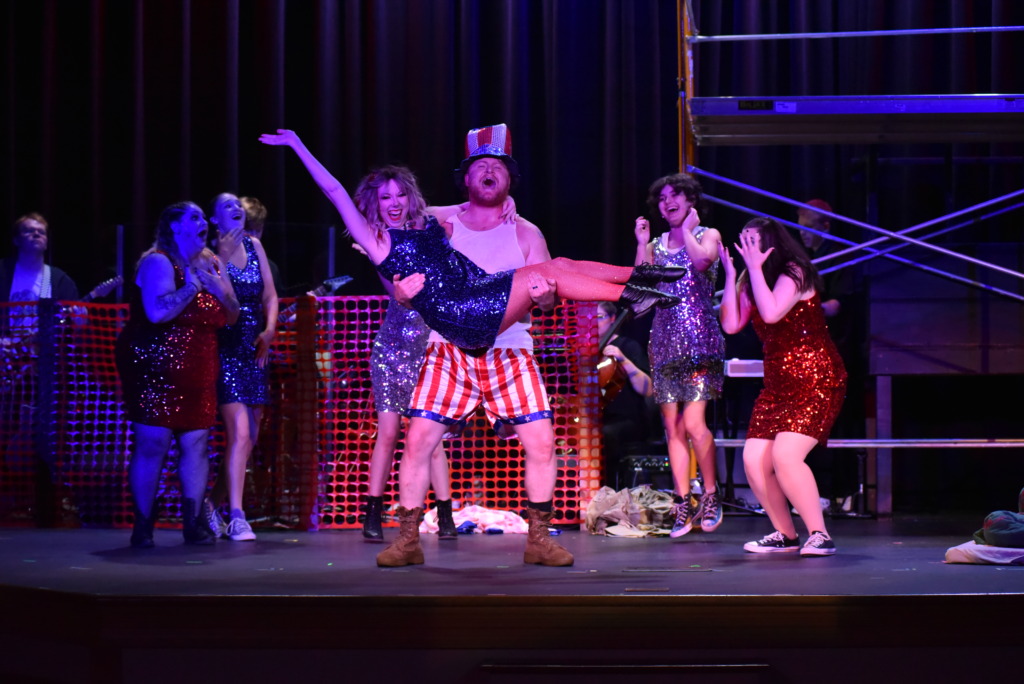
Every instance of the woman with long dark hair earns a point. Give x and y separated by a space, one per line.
804 380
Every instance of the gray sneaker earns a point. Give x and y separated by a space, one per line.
240 530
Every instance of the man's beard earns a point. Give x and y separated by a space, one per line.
489 197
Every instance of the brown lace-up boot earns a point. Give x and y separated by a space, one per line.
541 548
406 549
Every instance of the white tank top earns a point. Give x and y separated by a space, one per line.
493 250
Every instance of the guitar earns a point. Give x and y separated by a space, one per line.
611 376
18 352
103 289
327 288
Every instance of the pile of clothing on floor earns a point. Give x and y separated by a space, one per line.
999 541
478 520
637 512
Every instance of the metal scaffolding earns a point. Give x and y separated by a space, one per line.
862 119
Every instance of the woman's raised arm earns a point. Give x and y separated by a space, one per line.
376 249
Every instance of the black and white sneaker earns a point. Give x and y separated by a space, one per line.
710 511
685 516
775 542
818 544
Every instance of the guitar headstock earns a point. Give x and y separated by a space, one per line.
103 289
331 285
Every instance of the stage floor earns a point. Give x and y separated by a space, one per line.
78 605
899 556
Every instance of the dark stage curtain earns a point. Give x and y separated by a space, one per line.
114 109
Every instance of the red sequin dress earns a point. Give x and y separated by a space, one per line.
804 376
169 370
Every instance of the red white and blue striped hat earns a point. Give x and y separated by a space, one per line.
489 141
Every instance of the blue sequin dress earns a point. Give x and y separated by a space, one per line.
240 379
687 348
459 300
397 355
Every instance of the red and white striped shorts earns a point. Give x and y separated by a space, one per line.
506 382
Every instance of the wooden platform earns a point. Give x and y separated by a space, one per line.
79 606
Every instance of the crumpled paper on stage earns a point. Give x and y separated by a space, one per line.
637 512
484 518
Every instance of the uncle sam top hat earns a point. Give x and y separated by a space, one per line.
489 141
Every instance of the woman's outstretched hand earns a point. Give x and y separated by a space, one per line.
282 137
642 230
212 277
727 265
692 220
508 210
750 249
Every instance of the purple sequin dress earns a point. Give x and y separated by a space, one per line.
397 355
459 300
241 380
169 370
804 376
687 348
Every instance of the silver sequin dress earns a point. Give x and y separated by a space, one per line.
397 355
241 380
687 348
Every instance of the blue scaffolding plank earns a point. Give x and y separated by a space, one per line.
857 119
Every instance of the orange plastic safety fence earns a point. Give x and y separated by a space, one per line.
65 443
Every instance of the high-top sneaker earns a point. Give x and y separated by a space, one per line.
193 524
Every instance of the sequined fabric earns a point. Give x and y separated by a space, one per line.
169 370
396 358
804 376
459 299
241 380
686 347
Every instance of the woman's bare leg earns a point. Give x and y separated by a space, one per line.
572 282
389 426
696 426
760 470
796 479
440 476
678 447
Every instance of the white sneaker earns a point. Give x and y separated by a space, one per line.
818 544
240 530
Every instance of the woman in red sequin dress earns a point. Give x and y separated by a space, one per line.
167 360
804 380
